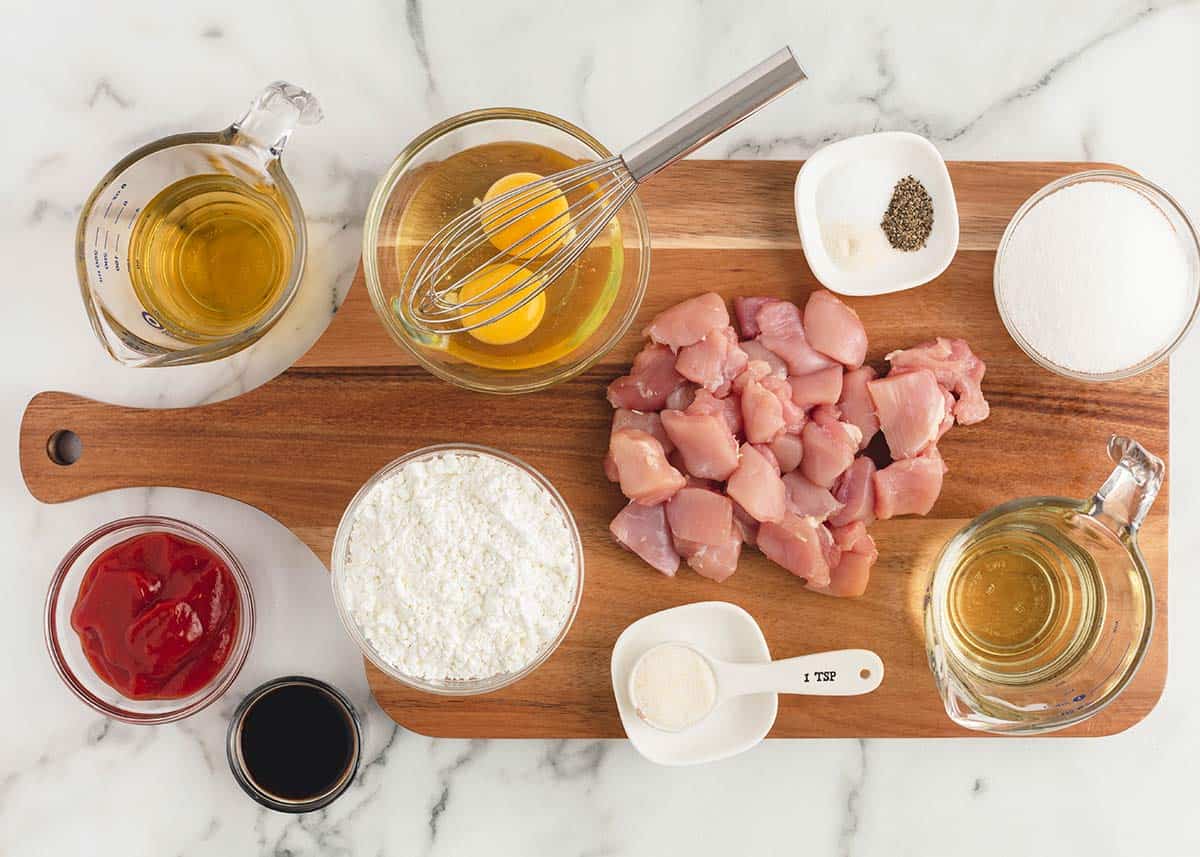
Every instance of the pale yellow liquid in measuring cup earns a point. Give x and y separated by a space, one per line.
210 255
1025 599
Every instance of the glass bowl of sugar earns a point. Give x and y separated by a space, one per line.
1097 276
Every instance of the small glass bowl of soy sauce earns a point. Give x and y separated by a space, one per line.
294 744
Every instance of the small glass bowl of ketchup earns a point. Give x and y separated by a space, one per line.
149 619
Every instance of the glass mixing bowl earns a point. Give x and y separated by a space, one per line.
1171 211
341 557
386 257
67 654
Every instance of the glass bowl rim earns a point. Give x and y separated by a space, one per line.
374 218
228 672
1157 195
450 687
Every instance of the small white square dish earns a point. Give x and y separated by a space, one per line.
841 195
722 630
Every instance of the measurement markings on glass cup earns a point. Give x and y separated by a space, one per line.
103 259
100 268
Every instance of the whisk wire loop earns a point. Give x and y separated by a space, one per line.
593 194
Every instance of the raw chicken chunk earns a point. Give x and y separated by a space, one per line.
829 548
826 414
910 486
700 515
755 370
644 530
704 441
847 536
764 449
649 423
856 405
651 380
829 447
956 368
755 350
762 413
823 387
793 414
756 487
716 562
729 408
688 322
746 312
682 396
834 329
948 419
910 407
745 524
855 491
714 361
788 450
642 468
808 500
796 544
783 333
849 577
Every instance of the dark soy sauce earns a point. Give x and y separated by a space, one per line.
296 743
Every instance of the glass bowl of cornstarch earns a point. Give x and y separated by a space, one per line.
1097 276
458 569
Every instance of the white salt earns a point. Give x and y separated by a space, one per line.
1095 278
850 203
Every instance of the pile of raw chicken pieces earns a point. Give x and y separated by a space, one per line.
726 437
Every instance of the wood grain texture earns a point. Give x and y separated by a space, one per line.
300 446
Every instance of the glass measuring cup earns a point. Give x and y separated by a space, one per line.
1040 611
246 156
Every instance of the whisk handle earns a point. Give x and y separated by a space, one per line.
722 110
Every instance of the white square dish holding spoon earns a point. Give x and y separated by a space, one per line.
718 685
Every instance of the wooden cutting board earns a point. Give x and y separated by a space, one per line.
300 446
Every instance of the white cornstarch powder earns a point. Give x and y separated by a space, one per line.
1095 278
460 566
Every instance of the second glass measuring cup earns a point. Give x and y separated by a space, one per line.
192 246
1040 611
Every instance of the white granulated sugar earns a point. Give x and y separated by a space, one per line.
460 566
1095 278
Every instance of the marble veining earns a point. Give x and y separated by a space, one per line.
1102 80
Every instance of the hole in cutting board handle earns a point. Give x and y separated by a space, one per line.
64 447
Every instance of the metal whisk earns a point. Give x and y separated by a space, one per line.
593 194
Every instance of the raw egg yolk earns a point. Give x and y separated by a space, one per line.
517 324
532 224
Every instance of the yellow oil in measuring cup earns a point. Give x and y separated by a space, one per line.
193 246
211 254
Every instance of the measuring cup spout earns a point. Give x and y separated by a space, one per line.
274 115
1125 498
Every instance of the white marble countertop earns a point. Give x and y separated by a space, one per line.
1111 81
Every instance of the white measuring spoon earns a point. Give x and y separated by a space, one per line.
844 672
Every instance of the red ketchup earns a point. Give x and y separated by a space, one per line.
157 616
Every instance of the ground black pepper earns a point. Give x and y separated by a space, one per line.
909 216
